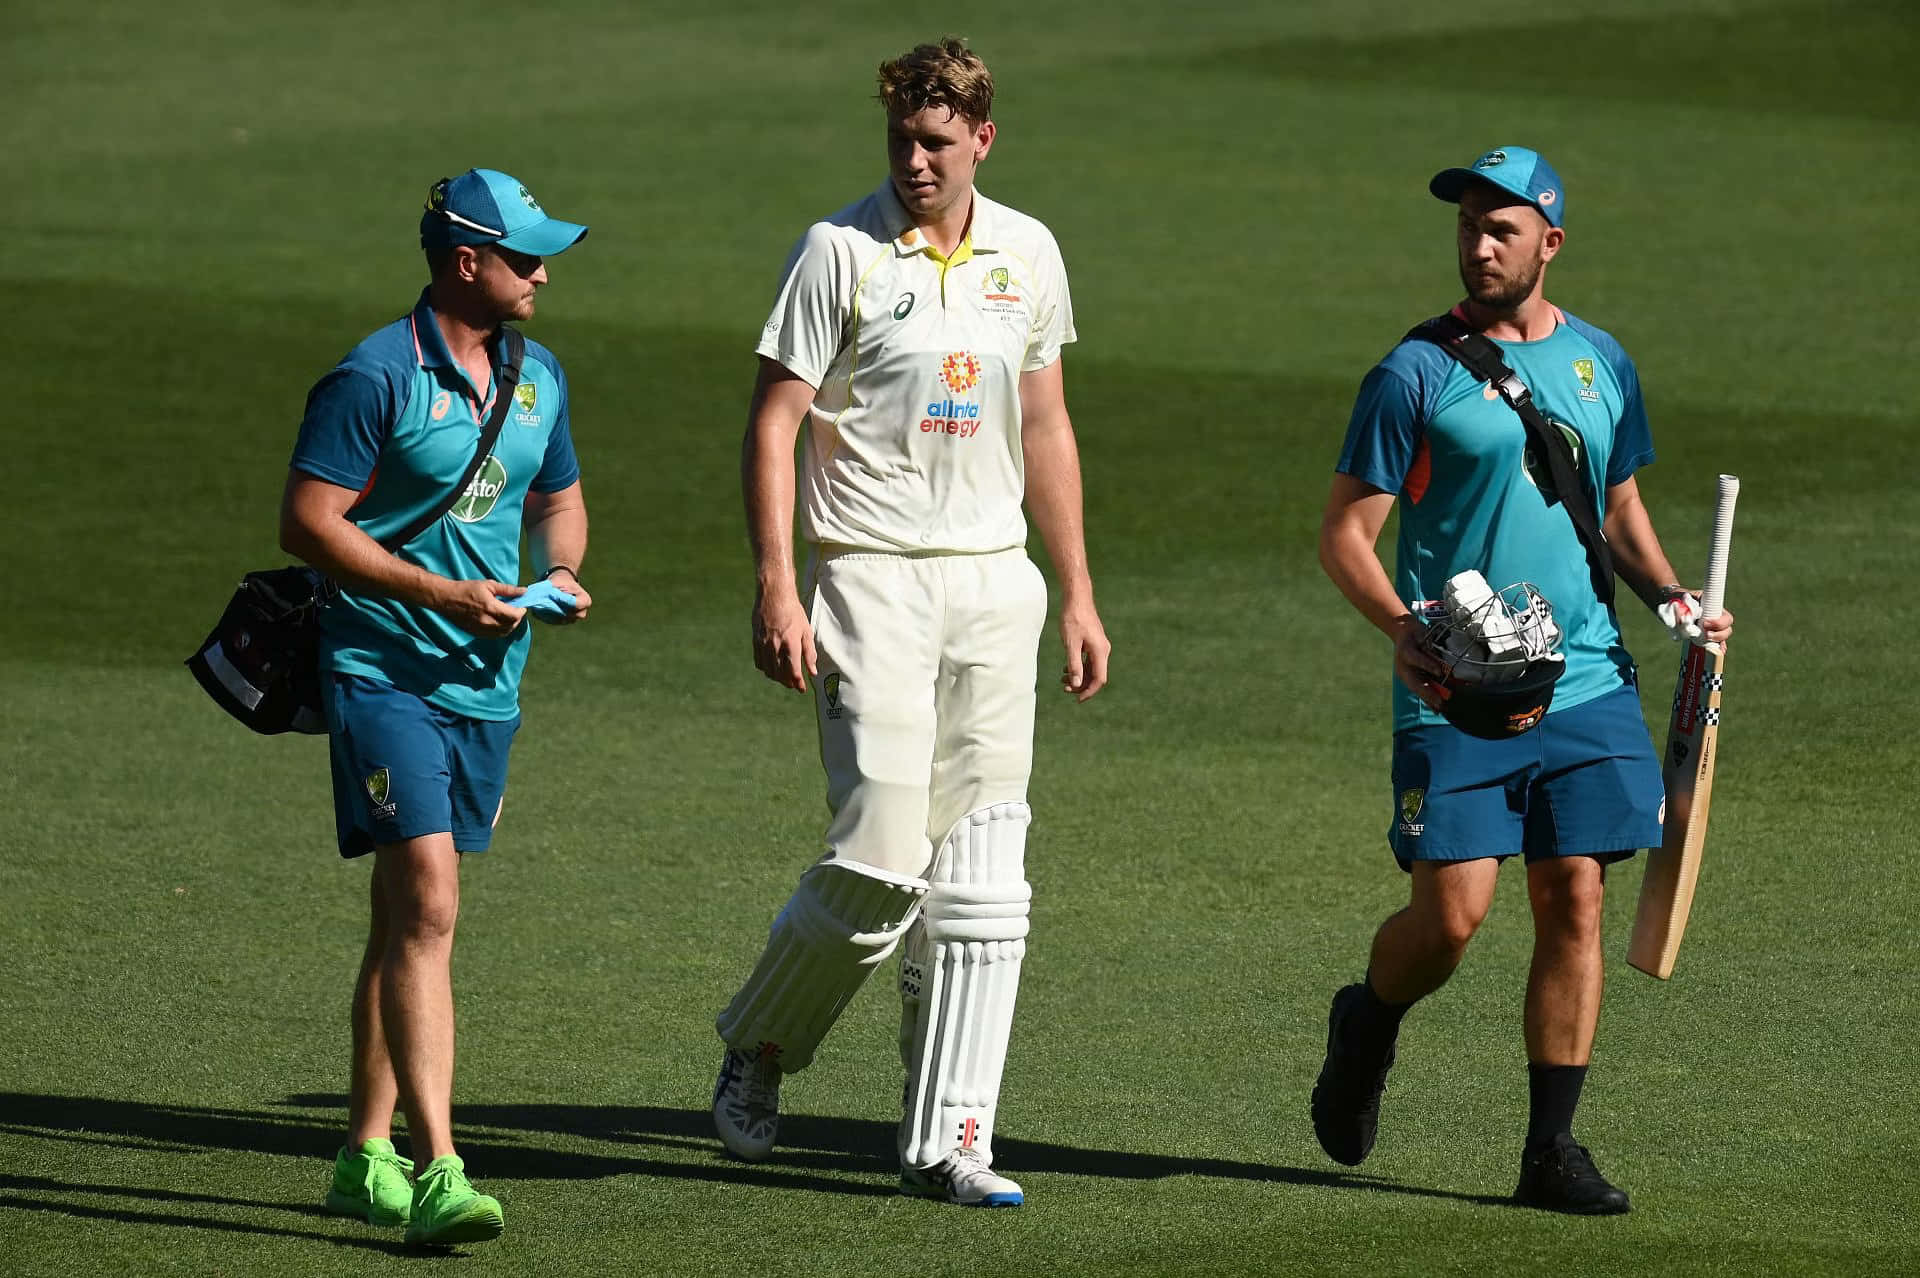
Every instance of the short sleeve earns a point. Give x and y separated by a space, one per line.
812 309
1052 309
1632 438
1384 431
348 416
559 468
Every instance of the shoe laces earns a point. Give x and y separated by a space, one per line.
967 1161
754 1077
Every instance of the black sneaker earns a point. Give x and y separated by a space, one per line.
1346 1096
1562 1177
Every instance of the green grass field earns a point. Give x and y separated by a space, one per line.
211 203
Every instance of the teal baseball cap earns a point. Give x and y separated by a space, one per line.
485 206
1513 169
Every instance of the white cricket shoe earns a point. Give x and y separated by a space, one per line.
962 1178
746 1101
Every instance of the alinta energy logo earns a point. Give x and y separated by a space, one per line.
959 373
483 494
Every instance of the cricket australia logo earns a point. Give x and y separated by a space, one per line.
482 494
830 693
1411 801
379 792
526 198
525 395
1583 369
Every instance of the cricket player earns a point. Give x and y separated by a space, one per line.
915 347
422 652
1571 795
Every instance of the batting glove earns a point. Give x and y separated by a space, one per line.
1680 614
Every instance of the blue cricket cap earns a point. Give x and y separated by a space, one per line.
485 206
1513 169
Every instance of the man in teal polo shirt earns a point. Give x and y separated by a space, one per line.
422 651
1582 787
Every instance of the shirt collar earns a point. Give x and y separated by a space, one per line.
907 239
431 345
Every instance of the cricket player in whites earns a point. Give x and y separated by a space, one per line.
916 337
1570 790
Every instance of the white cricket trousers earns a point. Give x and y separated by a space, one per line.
925 694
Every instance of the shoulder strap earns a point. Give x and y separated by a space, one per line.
508 379
1481 357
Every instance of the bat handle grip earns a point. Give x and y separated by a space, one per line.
1712 597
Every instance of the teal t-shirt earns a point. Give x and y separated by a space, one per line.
1457 457
398 421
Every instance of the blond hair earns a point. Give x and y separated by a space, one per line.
947 74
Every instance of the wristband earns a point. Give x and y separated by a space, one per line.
559 568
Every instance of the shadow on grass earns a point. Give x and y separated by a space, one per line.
10 1201
815 1153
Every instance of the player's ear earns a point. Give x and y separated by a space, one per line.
1551 242
983 140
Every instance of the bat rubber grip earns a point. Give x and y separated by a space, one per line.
1713 595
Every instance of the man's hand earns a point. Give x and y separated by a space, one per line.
783 639
477 607
1680 614
1087 648
563 579
1419 669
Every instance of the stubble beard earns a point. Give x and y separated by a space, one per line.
1504 294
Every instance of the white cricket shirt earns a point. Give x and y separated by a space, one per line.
913 441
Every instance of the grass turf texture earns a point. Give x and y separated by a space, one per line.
209 209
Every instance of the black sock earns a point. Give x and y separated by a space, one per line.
1376 1022
1553 1092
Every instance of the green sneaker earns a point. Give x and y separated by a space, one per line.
371 1184
447 1209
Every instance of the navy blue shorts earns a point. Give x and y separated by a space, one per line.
1586 782
403 768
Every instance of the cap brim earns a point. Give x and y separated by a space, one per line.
544 239
1448 183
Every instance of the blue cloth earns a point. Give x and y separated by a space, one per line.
398 421
403 768
1424 429
1585 782
544 600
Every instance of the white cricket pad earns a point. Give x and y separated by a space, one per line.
842 921
959 975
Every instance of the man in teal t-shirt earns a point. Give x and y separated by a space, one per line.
1582 787
422 651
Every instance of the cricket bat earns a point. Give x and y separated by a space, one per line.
1693 739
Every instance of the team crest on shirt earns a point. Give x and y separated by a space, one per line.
483 493
525 395
830 693
1583 369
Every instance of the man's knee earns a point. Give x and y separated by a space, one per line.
1567 895
420 891
1451 901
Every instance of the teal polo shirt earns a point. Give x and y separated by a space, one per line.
397 421
1459 460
